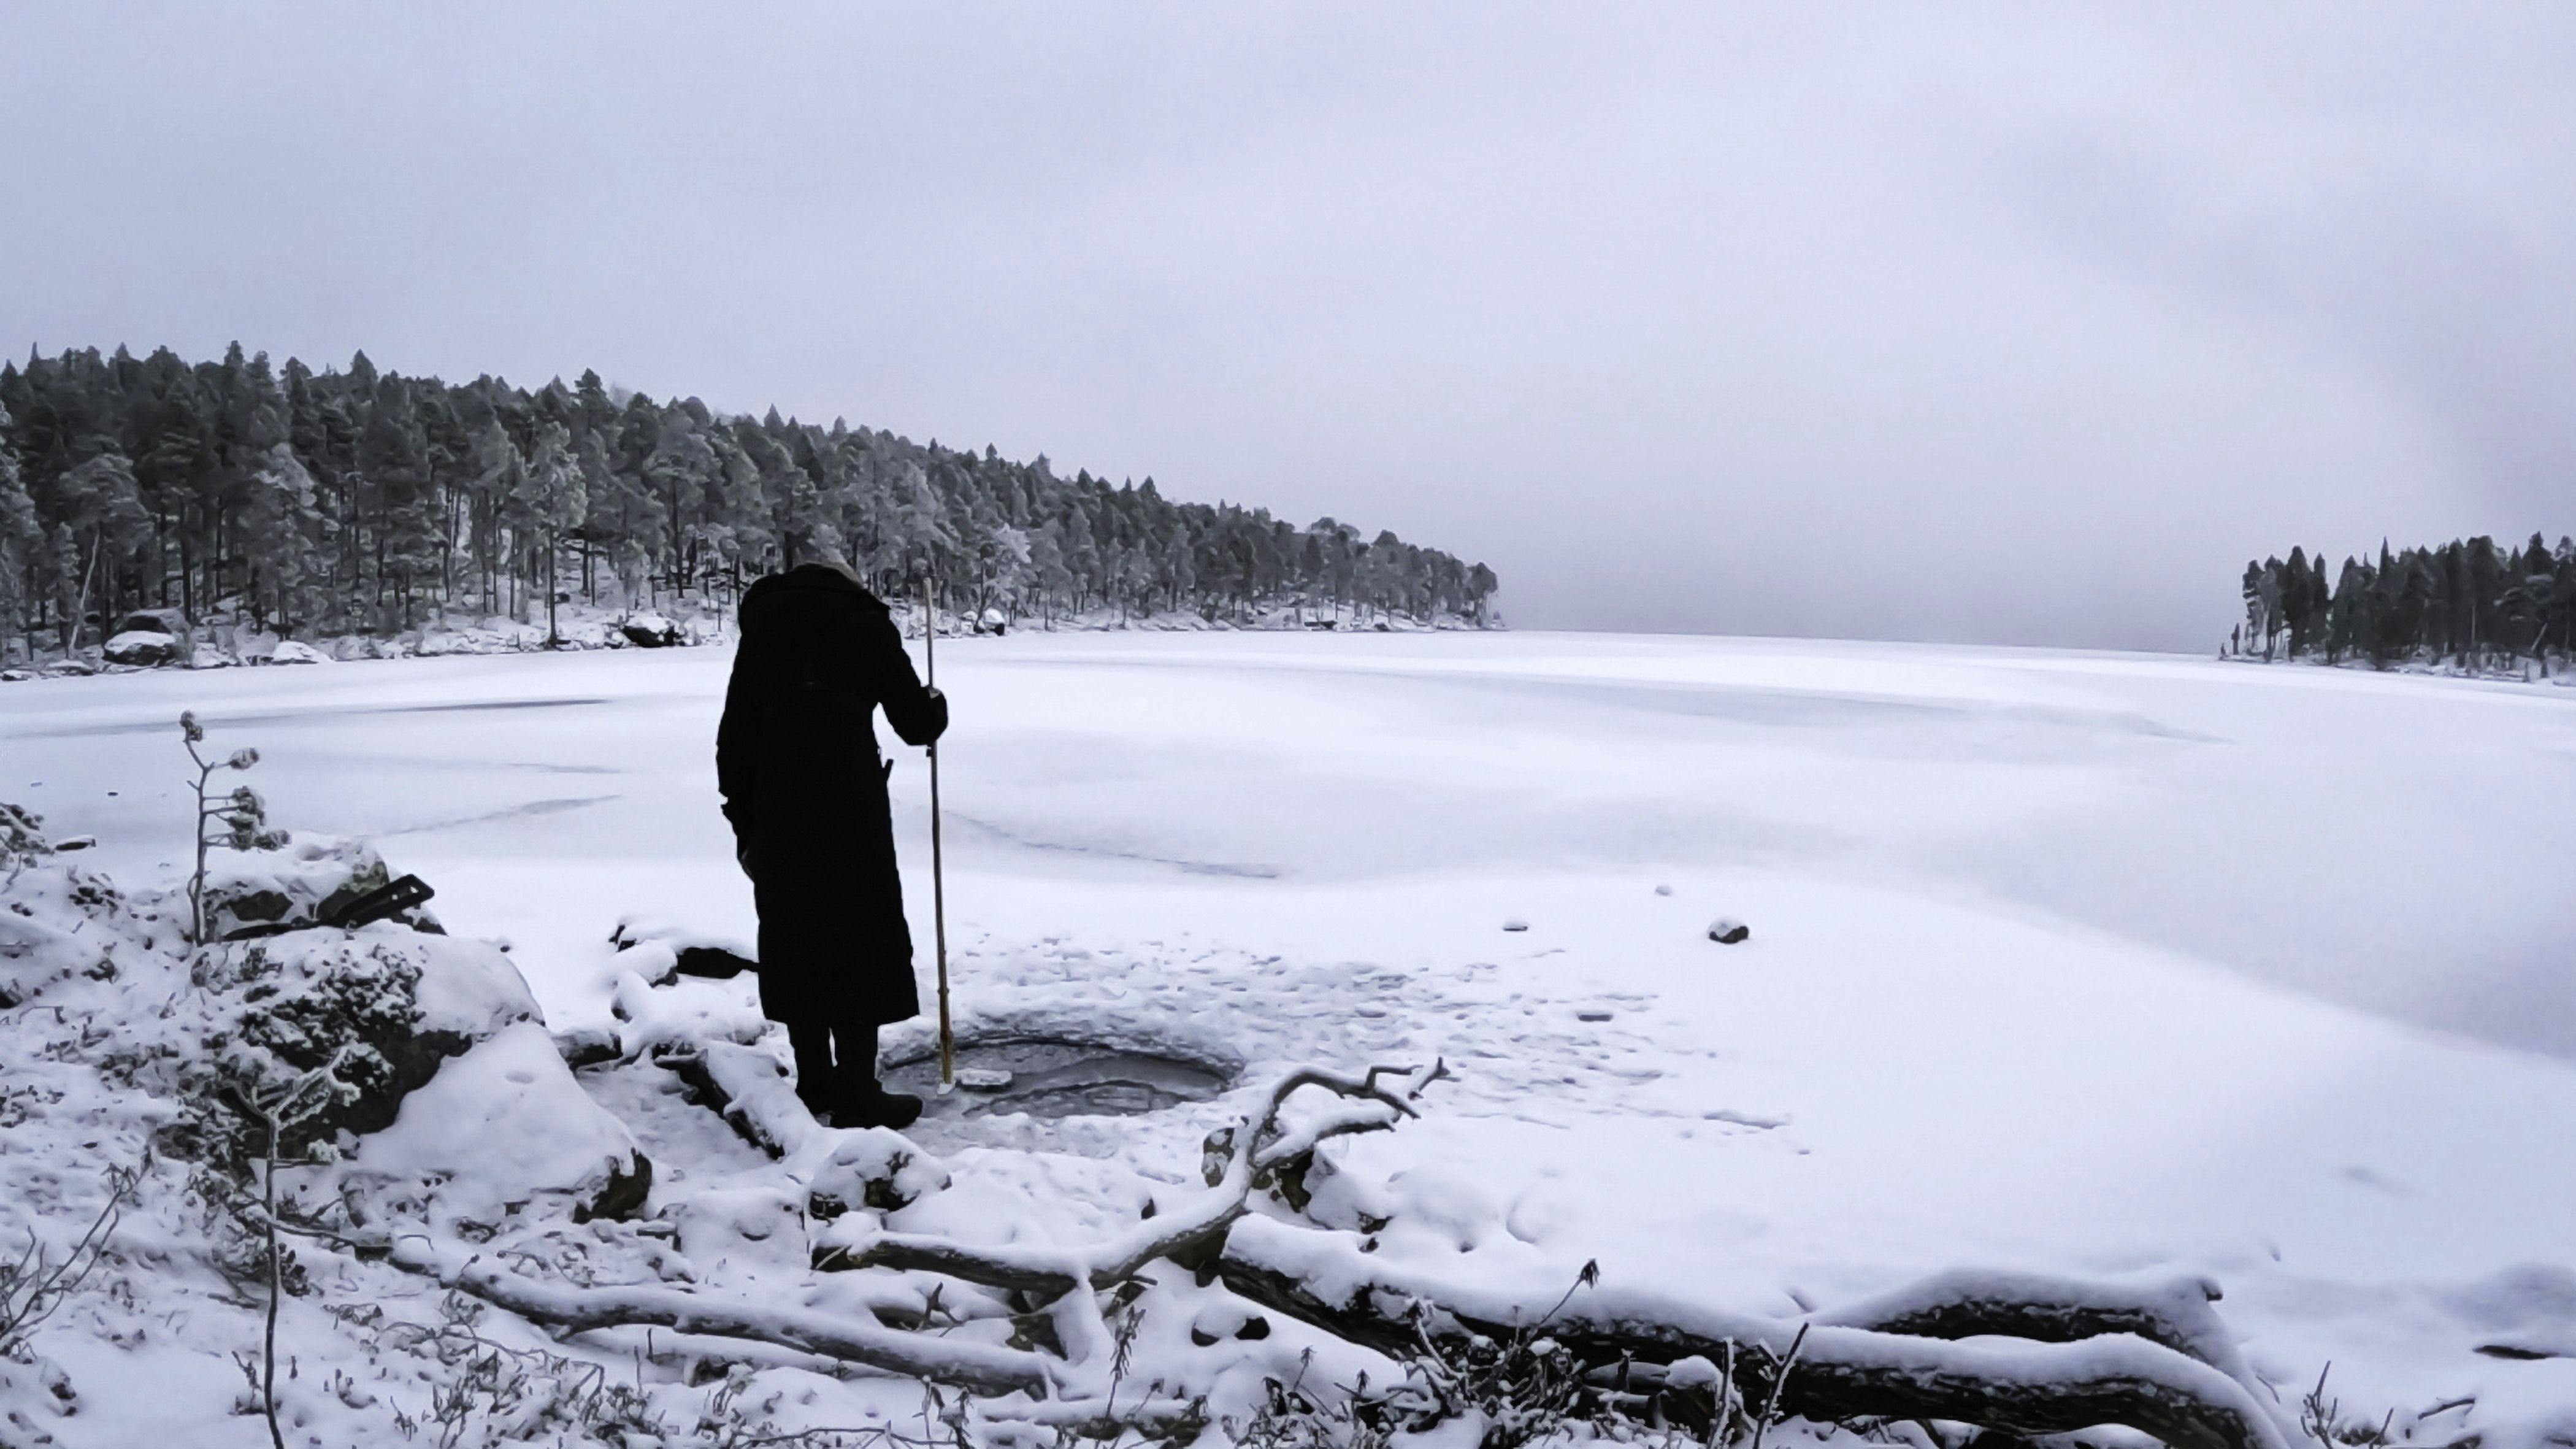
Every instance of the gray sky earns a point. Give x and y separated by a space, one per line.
2021 325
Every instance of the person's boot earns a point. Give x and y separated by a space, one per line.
816 1083
863 1101
877 1108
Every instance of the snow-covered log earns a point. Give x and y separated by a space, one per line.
1842 1373
1977 1303
984 1368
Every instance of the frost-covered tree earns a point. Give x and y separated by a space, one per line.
395 499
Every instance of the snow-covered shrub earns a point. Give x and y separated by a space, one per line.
242 814
22 836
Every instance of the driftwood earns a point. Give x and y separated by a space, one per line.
1238 1162
1249 1159
2017 1353
2092 1367
983 1368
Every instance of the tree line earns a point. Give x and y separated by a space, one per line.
2469 601
360 501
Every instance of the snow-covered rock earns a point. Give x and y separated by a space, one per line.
143 648
296 651
732 1234
1727 931
876 1168
295 886
493 1130
207 656
172 622
389 1003
649 631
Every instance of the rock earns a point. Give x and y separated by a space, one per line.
296 651
1726 932
69 669
649 631
15 676
399 1002
142 649
173 622
495 1128
875 1168
1663 890
688 952
712 963
207 656
1226 1319
739 1228
586 1046
1515 924
295 887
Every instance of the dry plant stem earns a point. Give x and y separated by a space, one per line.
31 1289
276 1285
1779 1381
197 881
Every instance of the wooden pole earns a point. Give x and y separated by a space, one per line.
938 884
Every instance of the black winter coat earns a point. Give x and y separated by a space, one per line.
797 763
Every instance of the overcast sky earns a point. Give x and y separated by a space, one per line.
2016 325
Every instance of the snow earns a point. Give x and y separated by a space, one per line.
2125 967
496 1127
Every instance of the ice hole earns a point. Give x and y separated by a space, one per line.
1060 1077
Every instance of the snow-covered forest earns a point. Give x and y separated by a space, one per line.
358 501
2468 602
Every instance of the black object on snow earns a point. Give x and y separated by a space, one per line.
644 635
1726 932
712 963
390 899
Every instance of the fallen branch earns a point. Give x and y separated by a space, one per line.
2045 1309
1843 1373
1240 1160
982 1368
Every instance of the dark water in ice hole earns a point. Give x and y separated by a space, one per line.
1057 1078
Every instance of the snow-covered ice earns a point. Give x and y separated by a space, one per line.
2059 962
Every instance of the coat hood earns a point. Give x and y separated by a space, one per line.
805 579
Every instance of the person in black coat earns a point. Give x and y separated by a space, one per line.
805 789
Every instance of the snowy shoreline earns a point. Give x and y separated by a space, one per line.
2032 982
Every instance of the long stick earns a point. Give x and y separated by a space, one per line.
938 884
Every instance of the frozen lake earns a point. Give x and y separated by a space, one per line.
2090 961
2396 844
